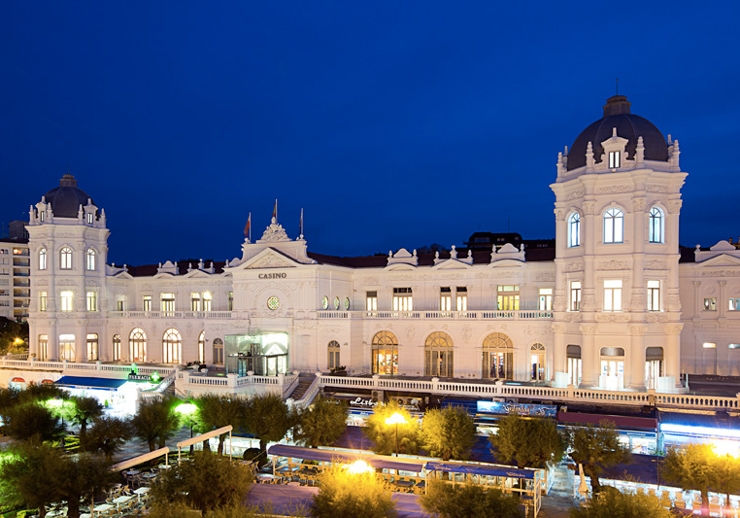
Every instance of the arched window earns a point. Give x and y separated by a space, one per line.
218 351
171 346
137 345
90 261
42 259
498 357
92 347
574 230
613 226
537 360
385 353
333 349
67 347
655 226
438 355
202 347
117 348
65 258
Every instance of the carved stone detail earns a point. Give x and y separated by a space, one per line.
638 204
613 264
573 266
271 261
656 264
614 189
589 208
587 329
545 276
574 195
274 233
674 206
658 188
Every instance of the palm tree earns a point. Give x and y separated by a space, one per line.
84 410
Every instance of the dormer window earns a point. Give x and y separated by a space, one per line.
41 215
615 159
89 218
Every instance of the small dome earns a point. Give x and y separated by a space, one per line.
66 199
629 126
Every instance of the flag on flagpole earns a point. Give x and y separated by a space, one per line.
274 211
301 222
248 227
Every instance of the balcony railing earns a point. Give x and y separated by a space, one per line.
439 315
171 314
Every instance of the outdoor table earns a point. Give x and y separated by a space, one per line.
132 472
123 500
266 478
102 508
142 491
149 476
405 484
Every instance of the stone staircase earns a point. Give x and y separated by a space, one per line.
305 379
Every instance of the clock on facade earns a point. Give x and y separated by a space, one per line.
273 303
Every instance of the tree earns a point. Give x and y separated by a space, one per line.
448 433
469 500
611 503
532 443
727 469
205 483
28 477
83 411
268 418
84 477
107 435
694 467
13 336
33 422
343 493
597 448
322 423
216 411
156 421
383 435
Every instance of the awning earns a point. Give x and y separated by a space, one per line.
376 461
480 469
17 380
83 382
621 422
130 463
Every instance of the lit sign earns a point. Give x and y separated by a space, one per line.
358 401
497 407
139 377
272 276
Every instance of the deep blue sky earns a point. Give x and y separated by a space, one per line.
394 124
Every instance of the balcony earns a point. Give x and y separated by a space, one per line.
171 314
439 315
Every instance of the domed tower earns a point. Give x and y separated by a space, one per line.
68 242
616 322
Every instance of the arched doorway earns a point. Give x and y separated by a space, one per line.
172 346
137 345
438 355
653 366
537 361
575 364
498 357
612 368
385 353
218 351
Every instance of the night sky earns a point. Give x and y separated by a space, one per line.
393 124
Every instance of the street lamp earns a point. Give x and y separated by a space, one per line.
188 410
396 419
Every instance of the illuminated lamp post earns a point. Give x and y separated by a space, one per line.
396 419
188 410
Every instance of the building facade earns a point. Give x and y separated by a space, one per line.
614 302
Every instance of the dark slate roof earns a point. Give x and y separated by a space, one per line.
150 270
687 255
66 199
629 126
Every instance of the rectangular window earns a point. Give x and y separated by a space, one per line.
206 301
508 297
575 296
445 299
147 303
194 302
734 304
613 295
92 346
615 159
67 300
371 301
403 299
89 218
92 301
545 299
121 305
43 301
653 299
710 304
167 302
462 298
230 303
43 347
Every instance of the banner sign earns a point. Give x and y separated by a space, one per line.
498 407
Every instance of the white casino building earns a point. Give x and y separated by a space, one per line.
614 303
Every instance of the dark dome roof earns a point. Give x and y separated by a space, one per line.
66 199
617 115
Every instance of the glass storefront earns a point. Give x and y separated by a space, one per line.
265 354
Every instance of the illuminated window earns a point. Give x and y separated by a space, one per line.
445 299
194 302
90 259
508 297
92 346
545 299
438 355
67 301
333 349
733 346
337 303
43 301
65 258
615 159
655 226
403 299
67 347
653 298
575 296
207 300
613 226
709 345
498 357
147 303
575 364
653 366
613 295
167 302
371 301
734 304
137 345
117 348
462 298
92 301
43 347
537 362
230 303
42 259
574 230
385 353
171 346
89 218
218 351
202 347
710 304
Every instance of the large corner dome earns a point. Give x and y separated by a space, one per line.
66 199
629 126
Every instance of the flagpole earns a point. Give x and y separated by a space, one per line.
301 223
250 227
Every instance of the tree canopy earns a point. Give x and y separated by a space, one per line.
216 411
156 421
696 466
343 493
530 443
33 422
107 436
611 503
321 424
446 500
268 418
448 433
597 448
383 435
82 411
